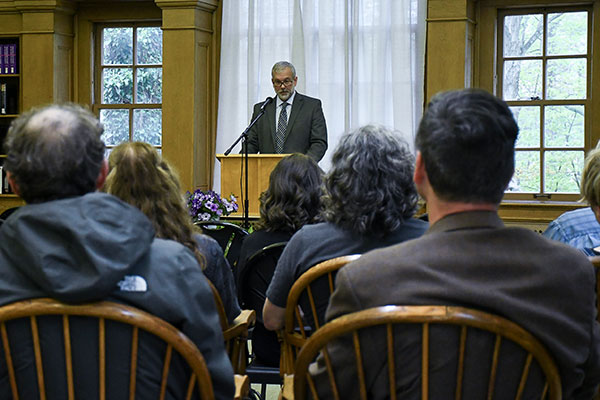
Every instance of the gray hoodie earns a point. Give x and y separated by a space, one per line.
96 247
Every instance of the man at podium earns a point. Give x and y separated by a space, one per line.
292 122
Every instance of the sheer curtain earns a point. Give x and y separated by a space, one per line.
363 58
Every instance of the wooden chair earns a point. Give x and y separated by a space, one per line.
253 282
229 236
53 350
236 334
305 306
496 331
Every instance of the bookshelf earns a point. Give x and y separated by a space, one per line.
10 95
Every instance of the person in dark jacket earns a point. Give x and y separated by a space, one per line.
292 200
76 246
141 177
299 128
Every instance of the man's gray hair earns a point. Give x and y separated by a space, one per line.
281 65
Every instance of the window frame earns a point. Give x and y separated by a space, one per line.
98 68
488 71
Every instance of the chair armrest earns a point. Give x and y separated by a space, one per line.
287 391
242 386
245 317
240 325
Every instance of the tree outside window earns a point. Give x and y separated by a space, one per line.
544 75
129 90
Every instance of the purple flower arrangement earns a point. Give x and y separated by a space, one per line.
209 206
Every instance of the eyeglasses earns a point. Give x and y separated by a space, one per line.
287 82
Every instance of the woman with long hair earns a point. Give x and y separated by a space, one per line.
292 200
141 177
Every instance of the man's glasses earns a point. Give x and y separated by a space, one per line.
286 83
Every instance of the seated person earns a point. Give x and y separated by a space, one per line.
75 245
292 200
465 160
369 203
580 228
141 177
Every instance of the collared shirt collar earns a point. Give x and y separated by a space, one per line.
467 220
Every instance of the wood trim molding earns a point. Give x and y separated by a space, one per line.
205 5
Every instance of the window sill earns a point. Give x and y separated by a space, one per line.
535 211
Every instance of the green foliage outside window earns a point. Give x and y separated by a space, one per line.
132 82
544 80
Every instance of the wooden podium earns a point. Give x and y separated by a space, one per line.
232 178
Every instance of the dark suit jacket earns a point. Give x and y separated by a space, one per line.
470 259
306 130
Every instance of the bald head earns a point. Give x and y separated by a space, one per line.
54 152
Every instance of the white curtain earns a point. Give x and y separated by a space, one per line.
363 58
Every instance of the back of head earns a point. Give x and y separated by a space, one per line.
293 198
590 178
139 176
369 189
55 152
467 139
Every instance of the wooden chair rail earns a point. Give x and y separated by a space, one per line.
425 315
294 334
103 311
236 334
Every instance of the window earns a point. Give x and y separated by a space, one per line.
544 74
128 93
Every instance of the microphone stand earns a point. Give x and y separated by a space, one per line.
244 136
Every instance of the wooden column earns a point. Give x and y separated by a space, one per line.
46 51
189 88
449 55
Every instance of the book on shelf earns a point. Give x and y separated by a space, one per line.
6 188
3 99
2 58
12 58
6 57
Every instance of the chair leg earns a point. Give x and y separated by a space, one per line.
263 391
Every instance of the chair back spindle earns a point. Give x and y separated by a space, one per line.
35 324
506 340
305 307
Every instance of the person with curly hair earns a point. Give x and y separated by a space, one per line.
141 177
292 200
369 202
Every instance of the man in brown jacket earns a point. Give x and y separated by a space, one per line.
464 162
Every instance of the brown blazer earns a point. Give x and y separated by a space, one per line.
471 259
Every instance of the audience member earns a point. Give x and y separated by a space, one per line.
464 162
292 200
139 176
76 245
580 228
369 203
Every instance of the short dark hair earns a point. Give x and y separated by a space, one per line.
293 198
54 152
369 189
467 140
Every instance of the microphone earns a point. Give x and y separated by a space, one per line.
267 101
